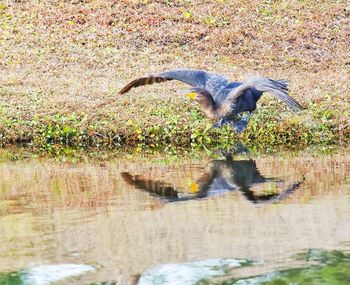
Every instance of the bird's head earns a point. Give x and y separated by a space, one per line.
204 99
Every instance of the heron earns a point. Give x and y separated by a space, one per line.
220 100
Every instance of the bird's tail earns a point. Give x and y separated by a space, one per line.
284 82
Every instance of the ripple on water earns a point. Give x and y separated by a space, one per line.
131 216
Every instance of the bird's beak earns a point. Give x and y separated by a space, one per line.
194 187
191 95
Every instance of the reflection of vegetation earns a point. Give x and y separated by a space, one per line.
11 278
327 267
46 274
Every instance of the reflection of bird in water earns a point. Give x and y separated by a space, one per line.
226 102
223 176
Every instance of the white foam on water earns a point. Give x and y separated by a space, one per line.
46 274
187 273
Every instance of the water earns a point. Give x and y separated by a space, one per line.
165 220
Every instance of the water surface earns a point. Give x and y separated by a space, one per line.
130 219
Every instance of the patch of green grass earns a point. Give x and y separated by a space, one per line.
164 126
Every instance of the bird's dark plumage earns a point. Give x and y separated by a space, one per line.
220 99
196 78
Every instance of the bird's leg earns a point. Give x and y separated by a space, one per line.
238 148
226 153
227 120
241 124
219 123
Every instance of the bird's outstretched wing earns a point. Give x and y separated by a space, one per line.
197 78
278 88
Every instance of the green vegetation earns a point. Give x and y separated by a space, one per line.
268 127
63 62
330 267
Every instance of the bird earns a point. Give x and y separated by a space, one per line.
221 100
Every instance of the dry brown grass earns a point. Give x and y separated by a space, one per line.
70 57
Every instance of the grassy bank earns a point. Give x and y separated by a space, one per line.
62 63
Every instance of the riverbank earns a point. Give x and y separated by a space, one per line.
62 65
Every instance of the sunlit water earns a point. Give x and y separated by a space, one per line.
161 220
